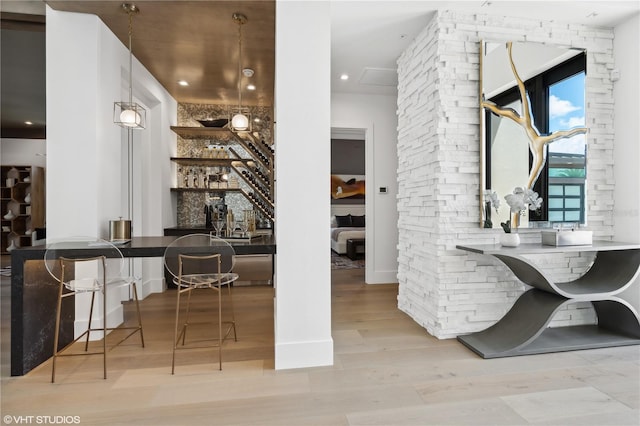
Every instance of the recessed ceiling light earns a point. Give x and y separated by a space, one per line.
344 77
248 72
183 83
28 123
251 87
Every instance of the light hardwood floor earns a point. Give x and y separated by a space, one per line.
387 371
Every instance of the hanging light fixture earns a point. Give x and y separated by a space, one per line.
239 119
129 114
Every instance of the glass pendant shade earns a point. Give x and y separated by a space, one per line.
240 122
129 115
130 118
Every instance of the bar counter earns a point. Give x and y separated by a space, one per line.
33 301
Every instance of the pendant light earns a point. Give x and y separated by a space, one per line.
239 120
129 114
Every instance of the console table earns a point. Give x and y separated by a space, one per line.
33 295
523 330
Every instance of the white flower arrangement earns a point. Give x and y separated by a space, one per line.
492 197
491 200
519 201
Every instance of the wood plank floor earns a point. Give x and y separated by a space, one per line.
387 371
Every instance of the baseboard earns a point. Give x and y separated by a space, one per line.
381 277
114 319
154 285
304 354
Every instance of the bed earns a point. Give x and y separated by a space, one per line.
344 228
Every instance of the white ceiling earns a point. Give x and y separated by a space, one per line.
373 33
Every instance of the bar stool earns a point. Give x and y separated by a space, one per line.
89 265
201 261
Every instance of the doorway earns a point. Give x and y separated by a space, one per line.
348 200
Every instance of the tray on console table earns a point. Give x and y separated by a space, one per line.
523 330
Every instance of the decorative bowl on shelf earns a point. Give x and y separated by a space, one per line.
219 122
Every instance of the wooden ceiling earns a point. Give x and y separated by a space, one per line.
196 41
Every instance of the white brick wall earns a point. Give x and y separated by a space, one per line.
447 291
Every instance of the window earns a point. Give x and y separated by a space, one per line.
566 201
566 158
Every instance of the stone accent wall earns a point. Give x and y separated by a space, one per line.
448 291
190 205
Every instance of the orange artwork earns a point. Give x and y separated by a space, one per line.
350 188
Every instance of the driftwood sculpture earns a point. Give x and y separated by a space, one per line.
537 142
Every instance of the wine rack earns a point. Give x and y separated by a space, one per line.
256 172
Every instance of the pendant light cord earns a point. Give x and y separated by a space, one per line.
240 23
130 130
130 58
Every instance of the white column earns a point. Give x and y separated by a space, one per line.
302 133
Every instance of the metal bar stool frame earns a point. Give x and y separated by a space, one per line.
66 279
64 263
215 278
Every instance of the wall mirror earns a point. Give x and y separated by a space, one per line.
533 132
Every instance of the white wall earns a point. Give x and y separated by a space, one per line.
73 193
376 114
626 92
87 71
303 165
23 152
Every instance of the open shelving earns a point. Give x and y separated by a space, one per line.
256 172
22 204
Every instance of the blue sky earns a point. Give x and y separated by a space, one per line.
566 111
